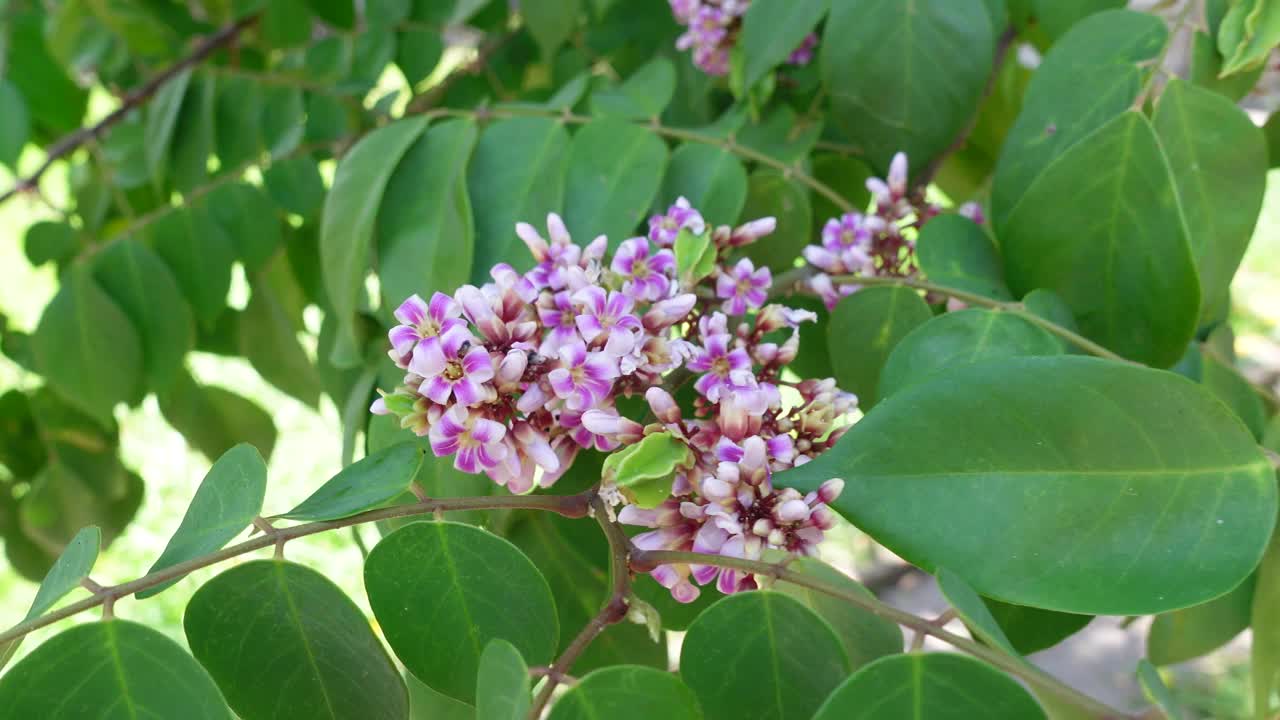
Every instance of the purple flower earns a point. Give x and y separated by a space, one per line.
846 231
743 287
663 229
645 276
604 314
453 368
583 378
723 369
560 319
423 322
582 435
476 440
554 258
803 54
684 10
712 60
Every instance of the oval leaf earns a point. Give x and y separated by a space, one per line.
772 194
627 692
863 330
1186 634
865 635
1136 488
72 566
282 641
502 688
200 255
369 483
614 172
710 178
772 29
439 617
954 252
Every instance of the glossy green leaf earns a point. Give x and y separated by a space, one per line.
54 101
805 660
1218 158
338 13
426 241
1265 620
226 502
1138 489
1156 691
1206 67
282 641
847 176
937 686
268 339
247 216
1186 634
1050 306
439 617
15 124
193 135
772 29
516 174
237 112
346 230
369 483
213 419
772 194
615 169
971 608
1031 629
955 252
627 692
551 22
961 338
427 704
295 184
200 255
502 688
863 330
865 636
87 348
161 120
1248 33
418 53
1127 273
48 240
285 23
72 566
643 471
121 669
1089 77
137 279
890 103
645 94
781 134
1235 390
283 119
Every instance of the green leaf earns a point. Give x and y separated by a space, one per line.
1186 634
971 608
200 255
161 120
147 292
696 256
1235 391
346 229
282 641
285 23
268 338
72 566
1114 476
426 241
1127 271
1089 77
551 22
226 502
295 184
937 686
863 330
119 667
1031 629
1044 21
193 135
427 704
247 216
771 29
801 660
891 102
15 124
1050 306
782 135
957 339
212 419
847 176
87 348
1218 158
1206 66
516 174
54 101
502 688
48 240
338 13
642 96
627 692
439 617
643 471
865 636
955 252
615 169
771 193
237 112
1265 619
369 483
1156 691
711 179
283 119
1248 33
418 53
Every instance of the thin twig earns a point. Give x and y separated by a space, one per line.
433 95
135 99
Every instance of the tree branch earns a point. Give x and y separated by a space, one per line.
135 99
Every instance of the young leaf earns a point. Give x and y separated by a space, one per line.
369 483
643 471
803 660
426 241
87 348
1187 634
929 685
346 230
72 566
438 618
1249 31
864 329
502 688
117 664
149 295
888 104
1152 459
642 96
615 169
278 635
961 338
772 29
865 636
627 692
200 255
710 178
772 194
953 251
226 502
1127 273
1219 162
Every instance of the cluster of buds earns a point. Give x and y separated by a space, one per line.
515 378
880 243
713 27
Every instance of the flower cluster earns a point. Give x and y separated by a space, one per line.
878 243
515 378
713 27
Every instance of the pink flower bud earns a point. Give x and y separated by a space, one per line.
379 407
898 175
762 527
973 211
830 490
752 231
537 246
602 422
512 367
879 191
664 406
555 228
791 511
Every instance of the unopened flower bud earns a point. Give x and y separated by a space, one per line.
512 367
537 246
791 511
830 490
664 406
750 232
898 175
